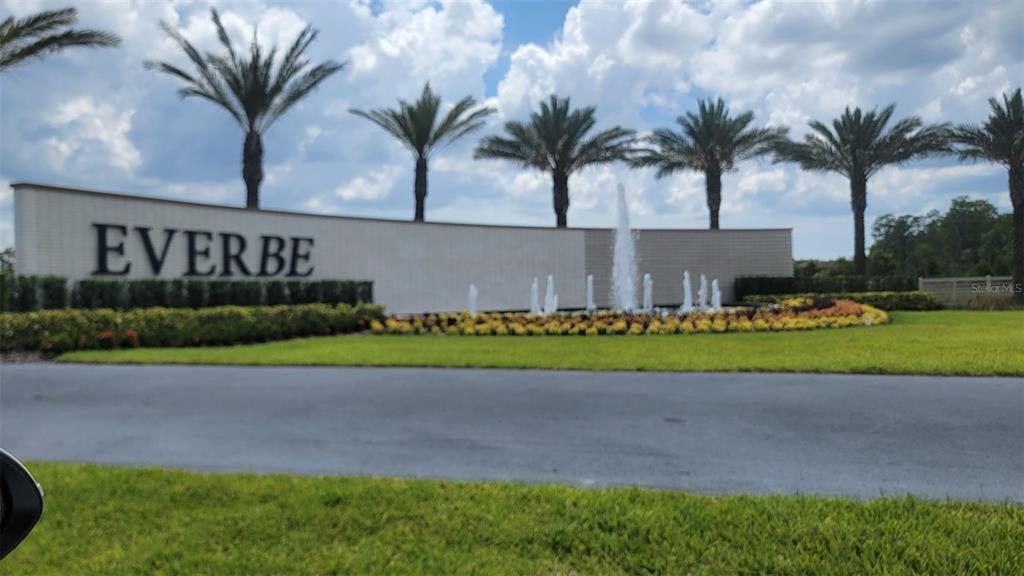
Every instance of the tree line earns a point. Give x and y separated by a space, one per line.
258 87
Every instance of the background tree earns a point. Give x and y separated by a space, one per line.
44 33
416 126
970 239
249 88
1001 140
556 140
712 142
858 146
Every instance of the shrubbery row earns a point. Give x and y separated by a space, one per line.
747 285
55 331
29 293
885 300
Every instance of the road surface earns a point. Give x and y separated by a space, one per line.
862 436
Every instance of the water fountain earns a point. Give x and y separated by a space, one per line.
648 293
716 296
702 294
472 299
687 306
624 260
535 296
591 306
550 298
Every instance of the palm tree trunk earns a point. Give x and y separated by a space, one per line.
561 193
713 187
252 168
1017 199
420 189
859 202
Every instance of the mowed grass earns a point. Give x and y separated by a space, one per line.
943 342
121 521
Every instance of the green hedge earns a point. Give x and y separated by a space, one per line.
747 285
29 293
55 331
885 300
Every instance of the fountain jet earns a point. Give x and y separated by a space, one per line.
471 297
648 293
590 293
702 294
535 296
550 298
624 260
687 306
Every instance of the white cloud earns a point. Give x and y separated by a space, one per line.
85 123
376 185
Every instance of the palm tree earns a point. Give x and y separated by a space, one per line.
1001 140
857 146
712 142
44 33
416 126
248 88
555 140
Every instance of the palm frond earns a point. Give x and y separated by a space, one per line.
557 138
40 34
1000 139
858 144
415 124
257 88
710 139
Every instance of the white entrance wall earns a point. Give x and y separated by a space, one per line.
415 267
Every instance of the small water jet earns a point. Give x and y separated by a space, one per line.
591 306
624 259
687 306
702 294
471 297
535 296
648 293
550 298
716 296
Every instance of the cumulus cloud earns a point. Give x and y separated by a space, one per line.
374 186
84 122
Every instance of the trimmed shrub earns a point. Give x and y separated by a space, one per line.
297 292
177 294
56 331
195 293
245 292
29 293
26 293
364 293
747 285
53 292
276 293
7 281
915 300
99 294
218 293
147 293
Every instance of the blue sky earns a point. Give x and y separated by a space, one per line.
97 119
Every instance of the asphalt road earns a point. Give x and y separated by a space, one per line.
863 436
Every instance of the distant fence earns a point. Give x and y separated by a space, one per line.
970 292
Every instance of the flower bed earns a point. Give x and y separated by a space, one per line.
794 314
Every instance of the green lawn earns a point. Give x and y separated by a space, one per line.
945 342
121 521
